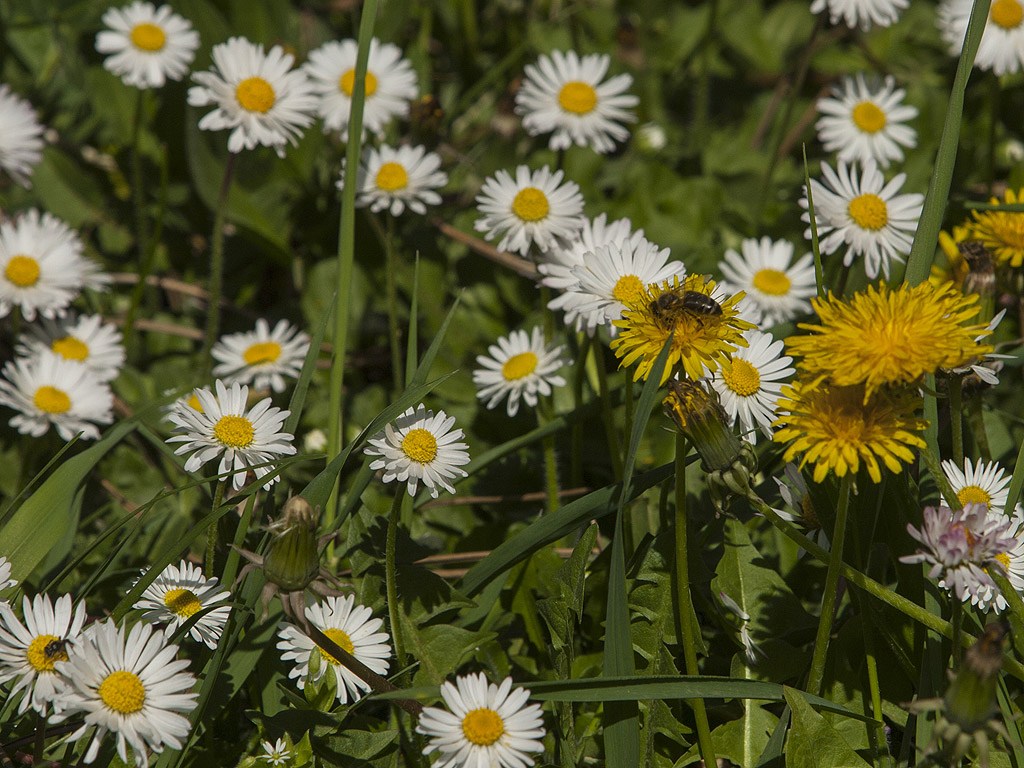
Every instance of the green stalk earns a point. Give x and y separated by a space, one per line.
217 263
212 531
141 221
828 599
391 577
391 281
956 418
614 448
957 620
684 604
544 411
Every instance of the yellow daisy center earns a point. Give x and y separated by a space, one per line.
628 289
483 726
742 378
255 94
262 352
1004 560
234 431
392 177
51 400
347 83
868 117
38 658
123 692
577 97
148 37
869 211
182 602
773 282
530 204
1007 14
71 348
193 403
22 270
519 366
420 445
972 494
341 639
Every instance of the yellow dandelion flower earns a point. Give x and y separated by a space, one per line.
704 328
956 267
890 336
837 428
1002 232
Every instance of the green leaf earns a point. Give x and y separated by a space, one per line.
813 742
740 740
440 648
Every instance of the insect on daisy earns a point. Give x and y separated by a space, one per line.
1002 42
256 95
862 13
390 85
30 651
263 357
353 629
49 391
87 340
420 446
248 438
749 381
866 123
392 180
562 94
146 45
520 366
534 208
484 725
1001 232
21 137
128 684
777 289
42 268
177 594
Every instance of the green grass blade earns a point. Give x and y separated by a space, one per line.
298 398
819 275
423 370
413 332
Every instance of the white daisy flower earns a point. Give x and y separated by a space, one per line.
864 123
48 390
353 628
613 275
1002 42
420 445
21 137
42 268
257 95
392 179
562 94
247 437
749 383
179 593
532 209
130 686
5 574
87 340
484 725
276 754
1011 561
262 357
30 651
978 483
557 264
866 214
519 366
145 45
862 13
390 85
778 289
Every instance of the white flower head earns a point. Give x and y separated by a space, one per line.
563 94
42 268
978 483
778 289
863 123
30 651
420 446
86 340
21 137
390 84
263 357
393 179
128 684
1002 42
534 208
520 366
557 264
245 438
1011 561
256 95
276 754
5 574
483 725
866 214
862 13
146 46
49 391
749 383
353 628
178 593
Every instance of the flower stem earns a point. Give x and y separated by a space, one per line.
213 531
544 409
956 618
391 578
390 278
956 418
606 413
217 263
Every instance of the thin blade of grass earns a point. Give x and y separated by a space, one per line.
298 398
819 275
413 333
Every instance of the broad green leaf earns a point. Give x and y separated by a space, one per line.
813 742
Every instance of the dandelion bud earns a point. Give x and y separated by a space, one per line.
292 560
971 697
